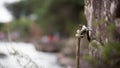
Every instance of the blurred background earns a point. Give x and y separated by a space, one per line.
29 20
50 26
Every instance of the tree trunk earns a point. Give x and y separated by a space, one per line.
103 17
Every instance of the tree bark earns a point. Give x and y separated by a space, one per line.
103 18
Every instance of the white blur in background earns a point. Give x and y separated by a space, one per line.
5 15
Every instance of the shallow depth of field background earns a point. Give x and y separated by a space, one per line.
47 26
41 34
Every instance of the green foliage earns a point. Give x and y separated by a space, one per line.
50 14
2 26
89 58
110 50
109 56
94 45
111 27
21 25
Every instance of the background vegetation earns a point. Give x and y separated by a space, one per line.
51 16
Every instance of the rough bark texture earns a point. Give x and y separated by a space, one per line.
103 17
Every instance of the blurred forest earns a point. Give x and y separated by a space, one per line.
47 17
49 24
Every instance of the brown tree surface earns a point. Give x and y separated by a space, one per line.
103 17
